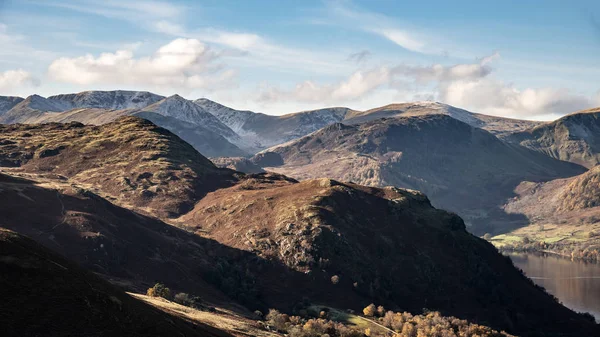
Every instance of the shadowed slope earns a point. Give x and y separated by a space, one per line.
43 294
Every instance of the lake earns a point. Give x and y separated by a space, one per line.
576 284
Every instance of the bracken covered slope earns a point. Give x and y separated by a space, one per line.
130 161
387 246
461 168
44 294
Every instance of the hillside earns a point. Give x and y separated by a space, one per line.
130 161
386 246
132 251
564 216
62 299
461 168
574 138
498 126
128 248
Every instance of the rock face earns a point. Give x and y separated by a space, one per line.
574 138
461 168
63 299
131 161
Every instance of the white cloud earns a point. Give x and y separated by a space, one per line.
132 10
402 38
356 86
501 99
346 14
169 28
441 73
12 79
467 85
182 63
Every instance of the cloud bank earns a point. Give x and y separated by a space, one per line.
182 63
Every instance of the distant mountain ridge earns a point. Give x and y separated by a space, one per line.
262 131
574 137
8 102
498 126
187 120
116 100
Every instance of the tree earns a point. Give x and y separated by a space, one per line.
370 310
159 290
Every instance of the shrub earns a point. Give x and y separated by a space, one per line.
335 279
159 290
187 300
277 320
380 311
370 310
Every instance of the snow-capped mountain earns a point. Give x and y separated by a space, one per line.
117 99
261 131
178 107
235 119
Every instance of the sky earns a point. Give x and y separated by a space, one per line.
522 59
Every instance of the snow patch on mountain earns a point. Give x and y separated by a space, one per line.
178 107
235 119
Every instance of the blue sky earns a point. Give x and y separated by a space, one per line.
525 59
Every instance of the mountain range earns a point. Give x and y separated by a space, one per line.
136 205
461 154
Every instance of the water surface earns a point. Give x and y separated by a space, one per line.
576 284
